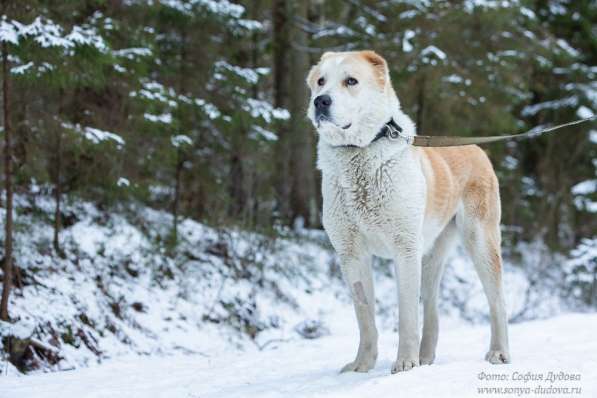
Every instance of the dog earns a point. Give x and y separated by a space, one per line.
386 198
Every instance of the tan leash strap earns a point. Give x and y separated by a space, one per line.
443 141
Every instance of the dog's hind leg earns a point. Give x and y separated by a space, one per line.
433 265
478 223
358 276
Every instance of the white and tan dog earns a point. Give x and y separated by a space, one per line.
386 198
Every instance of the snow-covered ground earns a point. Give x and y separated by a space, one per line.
565 345
223 314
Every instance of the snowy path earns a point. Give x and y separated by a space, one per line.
567 343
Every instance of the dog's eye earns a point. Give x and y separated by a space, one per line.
321 81
351 81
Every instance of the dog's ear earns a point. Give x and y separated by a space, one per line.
382 73
311 75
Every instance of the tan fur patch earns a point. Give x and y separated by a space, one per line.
460 174
379 64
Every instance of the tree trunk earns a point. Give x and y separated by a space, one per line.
280 46
8 187
58 179
58 193
237 191
421 105
177 183
179 155
255 53
304 192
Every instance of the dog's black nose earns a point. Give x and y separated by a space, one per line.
322 102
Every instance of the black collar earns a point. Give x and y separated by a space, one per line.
391 130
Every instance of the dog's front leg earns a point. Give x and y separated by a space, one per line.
358 277
408 272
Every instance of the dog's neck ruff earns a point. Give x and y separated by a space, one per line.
390 130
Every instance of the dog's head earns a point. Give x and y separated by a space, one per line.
351 97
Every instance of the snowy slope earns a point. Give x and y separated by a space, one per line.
304 368
224 305
121 290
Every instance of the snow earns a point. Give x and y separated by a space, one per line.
221 7
21 69
430 54
309 368
123 182
155 91
530 110
406 45
581 200
47 33
148 321
584 112
8 31
133 53
86 36
555 7
210 109
165 118
251 75
582 265
528 13
259 132
585 188
259 108
95 135
335 30
471 5
568 48
181 140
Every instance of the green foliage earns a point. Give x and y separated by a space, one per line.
189 87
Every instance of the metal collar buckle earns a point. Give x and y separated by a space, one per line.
394 134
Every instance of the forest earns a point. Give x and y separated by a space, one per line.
168 117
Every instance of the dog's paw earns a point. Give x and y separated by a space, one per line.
426 359
497 357
358 366
404 364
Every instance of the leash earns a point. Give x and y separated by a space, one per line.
392 131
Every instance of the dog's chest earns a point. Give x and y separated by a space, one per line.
366 190
373 193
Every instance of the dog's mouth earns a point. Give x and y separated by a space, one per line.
323 118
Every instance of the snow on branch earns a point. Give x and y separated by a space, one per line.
471 5
181 140
531 110
258 108
250 75
155 91
224 8
48 34
9 31
259 132
133 53
165 118
431 54
31 67
94 135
